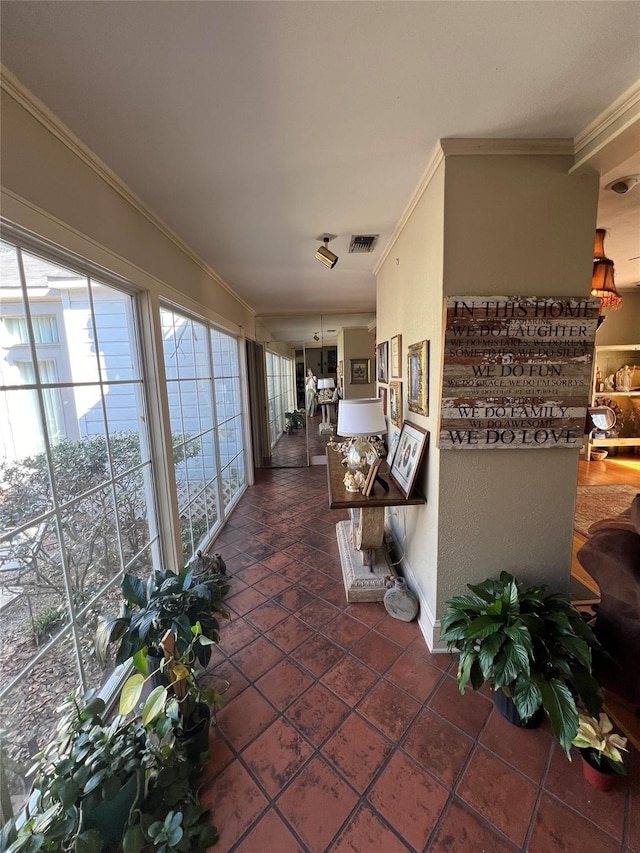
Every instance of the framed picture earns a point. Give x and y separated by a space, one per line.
406 463
393 446
395 403
418 377
396 356
371 477
360 371
383 394
382 359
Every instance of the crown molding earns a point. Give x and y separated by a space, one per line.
616 129
454 147
437 157
36 108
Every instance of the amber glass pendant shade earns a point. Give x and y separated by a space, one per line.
602 282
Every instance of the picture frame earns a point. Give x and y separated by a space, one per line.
396 357
383 393
393 446
382 362
418 378
359 371
395 403
408 457
371 477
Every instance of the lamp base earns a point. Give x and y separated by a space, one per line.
361 581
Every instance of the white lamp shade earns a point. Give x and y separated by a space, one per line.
361 417
325 384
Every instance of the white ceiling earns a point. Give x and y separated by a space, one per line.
250 128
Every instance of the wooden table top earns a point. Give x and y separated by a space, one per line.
340 498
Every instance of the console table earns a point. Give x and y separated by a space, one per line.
364 558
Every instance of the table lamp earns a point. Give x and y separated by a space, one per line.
358 419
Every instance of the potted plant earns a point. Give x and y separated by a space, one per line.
600 750
533 648
167 601
295 420
87 781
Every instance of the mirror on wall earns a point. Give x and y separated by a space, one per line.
311 342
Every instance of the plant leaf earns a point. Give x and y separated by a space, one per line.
134 590
131 692
488 650
561 709
154 705
526 696
482 627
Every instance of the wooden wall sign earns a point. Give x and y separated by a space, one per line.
517 371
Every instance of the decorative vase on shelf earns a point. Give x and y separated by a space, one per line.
399 601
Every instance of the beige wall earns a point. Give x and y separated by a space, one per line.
357 343
50 190
490 225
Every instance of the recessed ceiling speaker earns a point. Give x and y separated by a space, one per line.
623 185
325 255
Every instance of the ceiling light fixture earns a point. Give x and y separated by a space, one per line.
623 185
602 282
324 253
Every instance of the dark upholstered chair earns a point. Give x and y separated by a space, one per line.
612 557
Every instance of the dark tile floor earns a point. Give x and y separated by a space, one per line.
341 732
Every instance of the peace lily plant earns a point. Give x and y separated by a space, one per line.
599 744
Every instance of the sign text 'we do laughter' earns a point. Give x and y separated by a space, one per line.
517 371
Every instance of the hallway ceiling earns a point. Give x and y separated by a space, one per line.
251 128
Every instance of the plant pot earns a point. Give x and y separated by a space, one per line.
399 601
110 816
507 708
196 734
601 777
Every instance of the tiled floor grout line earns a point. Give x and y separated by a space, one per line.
540 794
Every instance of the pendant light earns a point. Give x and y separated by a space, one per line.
602 282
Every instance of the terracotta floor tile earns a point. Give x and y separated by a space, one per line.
245 717
565 779
441 660
504 797
235 802
219 757
276 756
257 658
284 683
525 749
294 598
270 835
267 615
253 574
414 676
243 602
222 674
402 633
260 551
370 612
289 633
238 562
318 654
409 799
358 751
318 613
336 595
366 833
316 804
558 827
389 709
350 680
438 747
236 634
294 571
468 712
272 585
317 713
461 831
376 651
276 561
345 630
317 582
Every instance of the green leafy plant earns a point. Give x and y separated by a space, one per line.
534 647
166 602
294 420
597 741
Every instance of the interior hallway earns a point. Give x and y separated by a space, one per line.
342 733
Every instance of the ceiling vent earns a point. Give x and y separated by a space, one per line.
362 243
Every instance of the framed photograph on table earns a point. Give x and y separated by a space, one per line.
418 378
360 371
393 446
395 403
396 356
382 359
408 457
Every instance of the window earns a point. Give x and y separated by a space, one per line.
76 499
280 393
